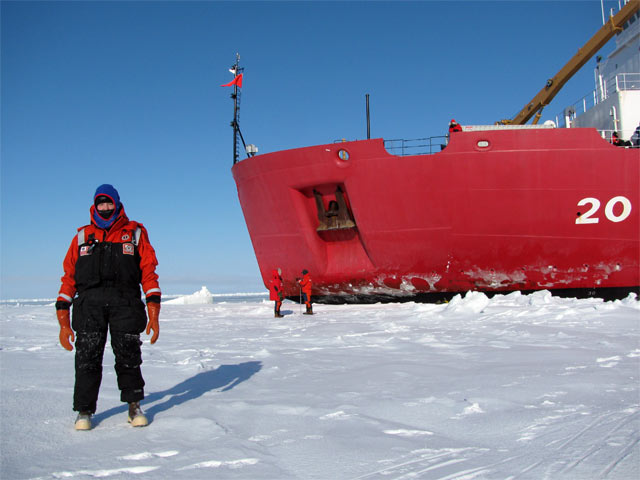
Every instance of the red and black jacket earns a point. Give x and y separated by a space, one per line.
120 257
305 283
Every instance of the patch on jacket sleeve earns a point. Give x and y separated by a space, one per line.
127 248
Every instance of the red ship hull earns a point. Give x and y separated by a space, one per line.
496 210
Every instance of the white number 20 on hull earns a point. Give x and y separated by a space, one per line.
588 216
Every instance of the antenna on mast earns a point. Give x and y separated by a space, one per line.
251 150
235 124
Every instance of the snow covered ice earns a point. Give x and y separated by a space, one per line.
202 296
512 387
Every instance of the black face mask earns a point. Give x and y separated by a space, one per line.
106 214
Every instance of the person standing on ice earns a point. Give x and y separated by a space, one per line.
103 269
305 284
275 292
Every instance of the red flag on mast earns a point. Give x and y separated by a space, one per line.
236 81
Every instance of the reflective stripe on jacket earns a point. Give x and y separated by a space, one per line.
120 257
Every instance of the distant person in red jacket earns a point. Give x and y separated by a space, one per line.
454 127
105 265
275 292
615 139
305 284
618 142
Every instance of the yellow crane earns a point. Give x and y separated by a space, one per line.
554 84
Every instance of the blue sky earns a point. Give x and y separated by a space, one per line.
128 93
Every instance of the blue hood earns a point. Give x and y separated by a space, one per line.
112 193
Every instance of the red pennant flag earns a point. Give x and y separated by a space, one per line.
236 81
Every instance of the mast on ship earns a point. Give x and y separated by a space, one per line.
235 123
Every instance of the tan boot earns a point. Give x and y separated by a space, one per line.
83 421
136 415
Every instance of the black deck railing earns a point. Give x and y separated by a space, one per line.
416 146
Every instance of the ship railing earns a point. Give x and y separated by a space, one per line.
606 134
618 83
416 146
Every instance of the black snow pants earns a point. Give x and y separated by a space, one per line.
95 312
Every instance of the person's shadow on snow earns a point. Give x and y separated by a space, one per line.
225 377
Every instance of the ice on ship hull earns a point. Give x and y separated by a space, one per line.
496 210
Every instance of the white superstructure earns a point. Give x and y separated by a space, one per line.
614 104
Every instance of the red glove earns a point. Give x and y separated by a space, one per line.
65 329
153 310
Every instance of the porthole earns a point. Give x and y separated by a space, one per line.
343 155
